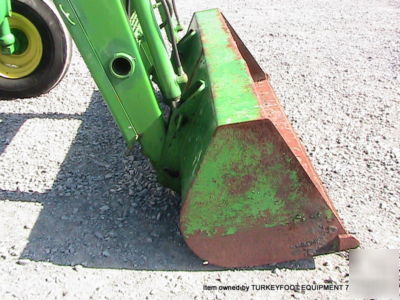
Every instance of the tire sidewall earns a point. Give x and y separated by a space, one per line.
55 55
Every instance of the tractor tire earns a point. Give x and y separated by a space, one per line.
43 50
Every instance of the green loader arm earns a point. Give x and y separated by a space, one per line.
7 39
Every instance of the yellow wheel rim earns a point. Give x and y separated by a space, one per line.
21 65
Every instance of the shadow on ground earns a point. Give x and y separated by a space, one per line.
106 209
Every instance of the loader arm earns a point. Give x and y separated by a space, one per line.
7 39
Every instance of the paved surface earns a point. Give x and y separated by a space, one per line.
80 219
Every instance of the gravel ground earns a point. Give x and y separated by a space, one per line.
81 219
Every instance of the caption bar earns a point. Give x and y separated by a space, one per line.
278 287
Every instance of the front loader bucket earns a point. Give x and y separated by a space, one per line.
250 194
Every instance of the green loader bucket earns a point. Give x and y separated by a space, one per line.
250 194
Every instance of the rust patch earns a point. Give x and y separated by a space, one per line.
262 246
237 184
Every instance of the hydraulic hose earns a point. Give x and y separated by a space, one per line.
173 37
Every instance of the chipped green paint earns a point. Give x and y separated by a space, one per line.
231 230
328 214
299 218
294 196
294 177
227 98
269 148
246 194
228 74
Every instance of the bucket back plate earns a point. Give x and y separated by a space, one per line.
250 194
